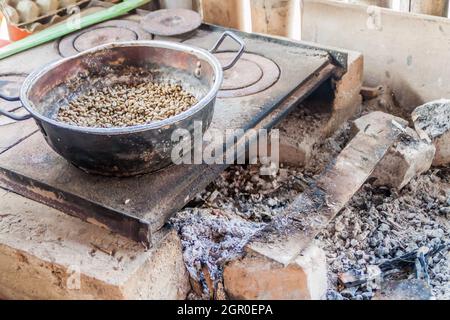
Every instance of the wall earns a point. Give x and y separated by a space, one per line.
409 52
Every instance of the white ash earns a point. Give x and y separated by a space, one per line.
378 223
212 238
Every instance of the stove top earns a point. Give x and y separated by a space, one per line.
273 76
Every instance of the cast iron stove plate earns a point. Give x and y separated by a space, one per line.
171 22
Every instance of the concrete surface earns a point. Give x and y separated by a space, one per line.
45 254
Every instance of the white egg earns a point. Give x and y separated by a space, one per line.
66 3
28 10
12 15
47 6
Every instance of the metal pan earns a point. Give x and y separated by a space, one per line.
124 151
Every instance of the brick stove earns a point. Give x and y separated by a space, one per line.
273 77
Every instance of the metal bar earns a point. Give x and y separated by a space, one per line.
121 223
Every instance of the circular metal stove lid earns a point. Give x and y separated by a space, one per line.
93 38
251 74
102 33
244 74
171 22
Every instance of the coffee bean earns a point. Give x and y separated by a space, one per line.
123 105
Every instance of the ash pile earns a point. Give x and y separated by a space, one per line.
381 225
216 226
390 241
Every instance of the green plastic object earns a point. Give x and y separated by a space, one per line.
70 26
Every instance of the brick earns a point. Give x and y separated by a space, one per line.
409 158
256 277
432 121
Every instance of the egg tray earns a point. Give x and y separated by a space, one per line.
56 16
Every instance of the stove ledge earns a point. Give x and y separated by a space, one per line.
46 254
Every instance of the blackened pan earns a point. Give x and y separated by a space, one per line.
124 151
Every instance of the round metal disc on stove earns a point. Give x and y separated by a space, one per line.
251 74
102 33
244 74
95 37
171 22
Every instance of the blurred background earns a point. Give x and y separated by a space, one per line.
20 18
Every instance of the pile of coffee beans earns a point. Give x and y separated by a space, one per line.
124 105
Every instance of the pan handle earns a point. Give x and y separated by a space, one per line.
10 114
239 53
